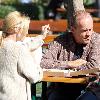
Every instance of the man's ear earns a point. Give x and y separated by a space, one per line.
72 29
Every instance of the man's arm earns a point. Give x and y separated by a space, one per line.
50 57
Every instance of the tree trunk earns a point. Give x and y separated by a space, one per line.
72 6
98 7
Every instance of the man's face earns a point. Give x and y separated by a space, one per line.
83 31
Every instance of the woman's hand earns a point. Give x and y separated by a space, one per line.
45 30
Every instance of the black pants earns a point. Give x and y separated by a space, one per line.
88 95
63 91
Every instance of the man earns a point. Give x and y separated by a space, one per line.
71 50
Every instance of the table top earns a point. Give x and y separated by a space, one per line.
81 80
55 75
65 80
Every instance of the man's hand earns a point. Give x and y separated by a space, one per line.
45 30
76 63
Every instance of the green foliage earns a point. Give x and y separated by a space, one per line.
88 2
38 88
5 9
9 2
31 10
34 10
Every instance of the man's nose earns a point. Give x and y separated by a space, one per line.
88 32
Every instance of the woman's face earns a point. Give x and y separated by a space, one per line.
18 31
23 31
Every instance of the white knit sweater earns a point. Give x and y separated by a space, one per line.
16 70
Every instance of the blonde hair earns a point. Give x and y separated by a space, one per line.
12 20
1 38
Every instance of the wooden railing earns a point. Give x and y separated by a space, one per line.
55 26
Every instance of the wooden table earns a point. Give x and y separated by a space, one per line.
49 76
80 80
65 80
66 76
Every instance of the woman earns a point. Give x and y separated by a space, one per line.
17 69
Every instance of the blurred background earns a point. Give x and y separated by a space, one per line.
44 9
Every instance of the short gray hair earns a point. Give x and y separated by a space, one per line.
78 15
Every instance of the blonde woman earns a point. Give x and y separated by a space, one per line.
17 69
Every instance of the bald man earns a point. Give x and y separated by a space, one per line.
76 49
